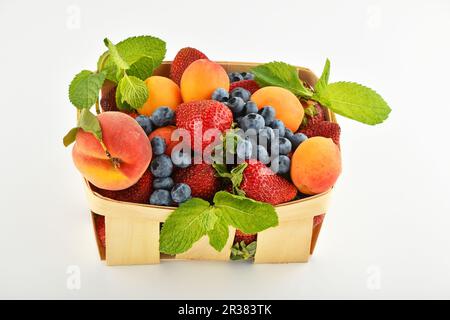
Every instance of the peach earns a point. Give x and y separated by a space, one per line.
287 106
201 78
166 134
129 152
316 165
162 91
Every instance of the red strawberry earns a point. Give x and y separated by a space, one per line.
249 85
314 113
208 114
138 193
100 229
182 60
201 178
247 238
262 184
325 129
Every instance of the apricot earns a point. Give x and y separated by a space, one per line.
166 134
287 106
201 78
162 91
128 146
316 165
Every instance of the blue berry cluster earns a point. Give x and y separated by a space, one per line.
238 76
161 117
271 141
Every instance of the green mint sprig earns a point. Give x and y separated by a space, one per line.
197 218
127 64
348 99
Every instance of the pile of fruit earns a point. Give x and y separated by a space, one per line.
223 148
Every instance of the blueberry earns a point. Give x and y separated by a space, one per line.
162 116
161 197
262 154
297 139
238 119
252 121
235 76
161 166
250 107
181 159
241 93
158 145
266 135
236 105
180 192
220 94
279 125
248 75
163 183
282 164
244 149
285 145
145 124
268 114
288 133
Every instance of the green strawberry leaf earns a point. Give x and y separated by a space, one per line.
85 87
323 80
89 123
186 225
354 101
218 236
245 214
70 137
280 74
115 55
133 91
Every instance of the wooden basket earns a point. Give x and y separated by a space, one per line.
132 230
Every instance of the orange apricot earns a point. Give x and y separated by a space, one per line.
162 91
316 165
287 106
201 78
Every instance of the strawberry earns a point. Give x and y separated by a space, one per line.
247 238
201 178
314 113
182 60
100 228
249 85
325 129
208 114
260 183
138 193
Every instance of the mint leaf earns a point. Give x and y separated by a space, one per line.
89 123
132 90
115 55
323 80
245 214
280 74
354 101
133 49
218 236
70 137
85 87
143 68
186 225
123 106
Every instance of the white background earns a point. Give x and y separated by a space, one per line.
387 234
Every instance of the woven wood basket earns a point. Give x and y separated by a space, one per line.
132 230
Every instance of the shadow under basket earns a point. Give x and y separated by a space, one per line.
132 230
